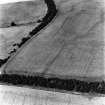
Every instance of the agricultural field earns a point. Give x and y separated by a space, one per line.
64 50
73 45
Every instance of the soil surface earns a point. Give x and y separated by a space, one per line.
68 54
72 45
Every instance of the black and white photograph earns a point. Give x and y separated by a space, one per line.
52 52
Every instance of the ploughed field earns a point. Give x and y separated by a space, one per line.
64 50
72 45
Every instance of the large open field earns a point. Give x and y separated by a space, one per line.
72 45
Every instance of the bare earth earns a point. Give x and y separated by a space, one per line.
73 45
